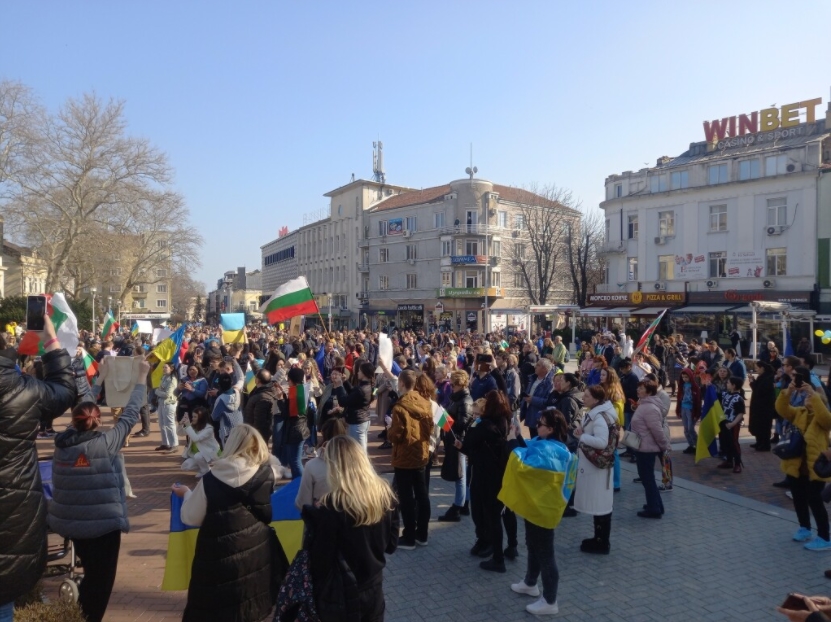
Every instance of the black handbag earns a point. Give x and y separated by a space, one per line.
822 467
791 446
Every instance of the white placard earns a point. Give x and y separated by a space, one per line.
384 352
745 264
690 267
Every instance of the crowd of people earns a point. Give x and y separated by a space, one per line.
250 415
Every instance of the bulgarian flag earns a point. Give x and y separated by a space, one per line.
298 399
647 334
291 299
441 418
65 323
109 327
90 366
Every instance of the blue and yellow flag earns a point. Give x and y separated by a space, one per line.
134 331
233 328
249 377
538 481
712 415
181 543
165 352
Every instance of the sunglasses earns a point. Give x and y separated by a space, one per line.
540 424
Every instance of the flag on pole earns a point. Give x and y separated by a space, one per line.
291 299
90 366
109 327
441 418
647 334
135 330
165 352
712 415
233 328
66 328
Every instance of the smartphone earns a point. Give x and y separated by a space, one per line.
797 381
794 602
35 312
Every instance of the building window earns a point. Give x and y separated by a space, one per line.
666 223
139 289
618 190
471 247
633 268
139 303
519 281
718 218
383 255
161 273
658 183
446 248
666 266
678 180
519 222
411 251
383 282
718 265
161 289
161 304
608 230
749 169
115 272
496 248
776 165
411 281
471 279
412 224
447 279
496 279
438 220
502 219
114 289
519 250
86 289
777 212
383 227
632 227
717 174
777 261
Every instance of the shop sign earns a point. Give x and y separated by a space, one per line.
689 267
469 259
446 316
471 317
637 299
747 296
419 308
468 292
745 264
784 119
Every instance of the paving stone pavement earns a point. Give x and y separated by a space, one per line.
715 556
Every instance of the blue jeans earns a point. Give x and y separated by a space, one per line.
7 612
277 440
461 485
292 453
312 440
359 432
616 472
646 471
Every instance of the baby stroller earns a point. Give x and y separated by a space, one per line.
59 549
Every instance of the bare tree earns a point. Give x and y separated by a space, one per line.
20 115
537 254
186 297
583 247
83 175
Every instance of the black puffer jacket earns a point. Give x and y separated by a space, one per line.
356 404
23 401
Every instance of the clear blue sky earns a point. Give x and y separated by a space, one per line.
263 107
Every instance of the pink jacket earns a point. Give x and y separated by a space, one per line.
647 422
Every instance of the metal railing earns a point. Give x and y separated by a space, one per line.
478 229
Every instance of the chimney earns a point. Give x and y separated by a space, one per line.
828 117
663 160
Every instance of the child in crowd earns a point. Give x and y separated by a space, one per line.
201 447
732 402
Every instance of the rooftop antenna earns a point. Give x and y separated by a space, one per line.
378 173
471 170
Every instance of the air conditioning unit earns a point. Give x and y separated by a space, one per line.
712 284
790 168
411 262
661 239
407 233
660 286
769 283
775 229
515 233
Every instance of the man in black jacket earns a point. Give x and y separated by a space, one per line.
24 401
629 383
262 404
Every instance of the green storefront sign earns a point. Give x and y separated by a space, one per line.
467 292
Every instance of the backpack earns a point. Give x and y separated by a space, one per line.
604 458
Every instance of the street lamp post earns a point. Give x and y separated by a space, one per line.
330 312
93 290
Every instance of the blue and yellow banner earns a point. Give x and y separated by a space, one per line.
181 543
538 481
712 415
233 328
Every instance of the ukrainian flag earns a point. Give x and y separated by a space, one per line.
249 377
134 331
712 415
181 543
165 352
233 328
538 481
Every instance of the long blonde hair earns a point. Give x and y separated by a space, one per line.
247 443
355 487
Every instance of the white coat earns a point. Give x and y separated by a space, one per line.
594 491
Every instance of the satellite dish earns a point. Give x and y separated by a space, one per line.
467 170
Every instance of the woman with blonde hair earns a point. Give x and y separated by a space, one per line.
355 520
232 577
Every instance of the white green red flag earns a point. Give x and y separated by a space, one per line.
90 366
647 334
291 299
109 327
65 323
441 418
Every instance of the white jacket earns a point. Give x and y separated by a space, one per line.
204 441
594 493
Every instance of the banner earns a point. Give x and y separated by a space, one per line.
689 267
745 264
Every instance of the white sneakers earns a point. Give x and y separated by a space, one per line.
286 472
522 588
542 608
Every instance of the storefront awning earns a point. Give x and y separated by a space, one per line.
606 312
704 309
648 311
747 310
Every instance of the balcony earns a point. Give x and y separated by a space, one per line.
479 229
136 294
612 248
469 292
362 296
364 243
363 267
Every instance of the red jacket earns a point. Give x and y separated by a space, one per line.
694 389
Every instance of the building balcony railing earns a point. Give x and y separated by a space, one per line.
363 267
612 248
363 243
478 229
136 294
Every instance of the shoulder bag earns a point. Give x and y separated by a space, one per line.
791 446
631 440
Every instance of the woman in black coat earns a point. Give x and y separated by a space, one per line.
24 401
485 445
355 407
762 405
454 467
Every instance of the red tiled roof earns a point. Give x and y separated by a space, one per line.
518 195
414 197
